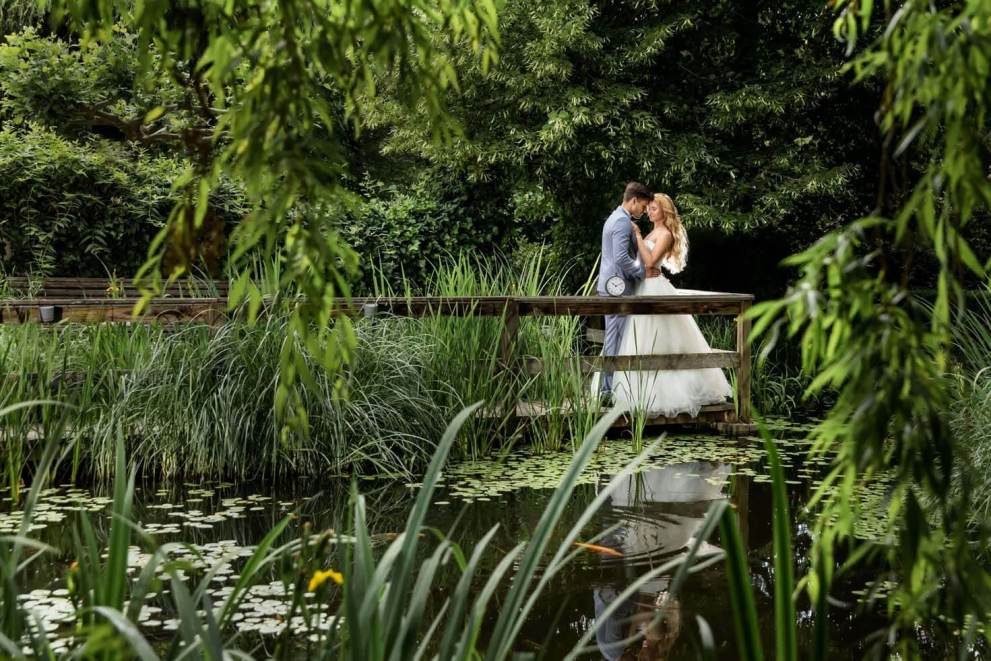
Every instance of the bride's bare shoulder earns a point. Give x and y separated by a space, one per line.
658 233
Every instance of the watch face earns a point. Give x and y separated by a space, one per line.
615 286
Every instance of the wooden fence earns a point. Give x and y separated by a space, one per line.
86 307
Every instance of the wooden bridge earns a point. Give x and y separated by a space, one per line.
60 301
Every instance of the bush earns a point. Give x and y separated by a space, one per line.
401 234
70 207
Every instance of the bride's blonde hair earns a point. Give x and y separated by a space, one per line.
676 258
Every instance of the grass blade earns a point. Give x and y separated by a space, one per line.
784 572
137 642
740 590
404 568
508 627
460 595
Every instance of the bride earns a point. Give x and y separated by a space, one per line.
667 392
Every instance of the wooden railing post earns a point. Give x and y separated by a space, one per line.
510 328
743 325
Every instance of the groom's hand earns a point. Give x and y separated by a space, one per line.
653 272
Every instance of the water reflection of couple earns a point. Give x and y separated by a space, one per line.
658 512
642 628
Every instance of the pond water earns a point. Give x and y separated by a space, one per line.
652 517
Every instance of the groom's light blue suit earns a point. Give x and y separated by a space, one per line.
619 257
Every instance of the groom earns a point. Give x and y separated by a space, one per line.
620 257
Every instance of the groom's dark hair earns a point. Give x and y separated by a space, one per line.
636 189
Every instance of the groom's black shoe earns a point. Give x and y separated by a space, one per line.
606 399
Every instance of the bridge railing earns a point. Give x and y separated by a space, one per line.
84 309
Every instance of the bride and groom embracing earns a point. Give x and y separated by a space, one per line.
631 266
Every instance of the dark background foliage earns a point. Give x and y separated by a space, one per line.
736 109
86 207
83 189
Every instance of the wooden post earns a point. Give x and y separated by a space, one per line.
511 326
743 325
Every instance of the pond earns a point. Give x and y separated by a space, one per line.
650 518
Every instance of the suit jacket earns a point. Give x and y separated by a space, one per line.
619 252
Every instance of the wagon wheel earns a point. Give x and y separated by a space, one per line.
169 315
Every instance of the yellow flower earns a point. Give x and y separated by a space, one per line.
320 576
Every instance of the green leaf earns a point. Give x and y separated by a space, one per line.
154 114
135 640
740 590
784 571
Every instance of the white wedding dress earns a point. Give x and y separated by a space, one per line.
666 392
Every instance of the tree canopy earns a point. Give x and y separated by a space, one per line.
741 112
864 333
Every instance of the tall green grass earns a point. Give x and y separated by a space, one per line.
741 589
971 419
20 550
464 362
777 385
198 401
387 606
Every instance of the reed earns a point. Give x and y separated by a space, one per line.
383 605
971 419
741 589
464 352
19 551
197 401
778 386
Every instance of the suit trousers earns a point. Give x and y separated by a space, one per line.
615 325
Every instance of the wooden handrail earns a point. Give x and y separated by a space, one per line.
568 306
118 309
90 287
90 311
509 308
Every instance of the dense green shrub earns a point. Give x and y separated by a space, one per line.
90 147
77 207
402 233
